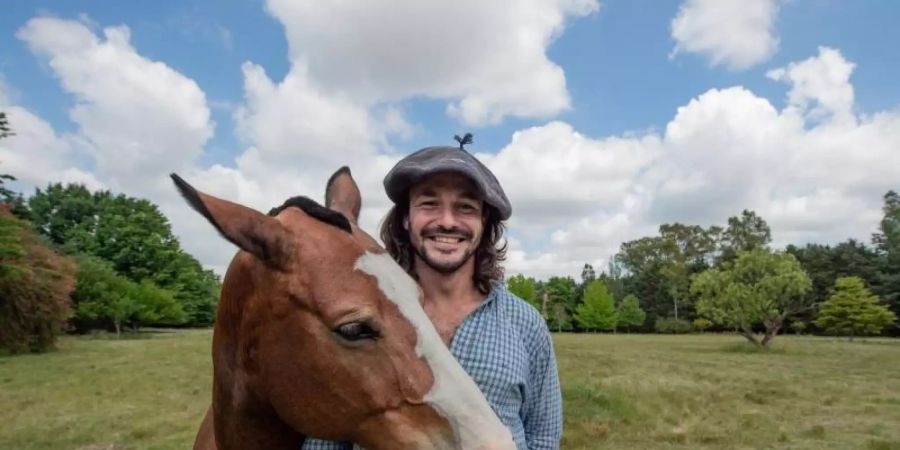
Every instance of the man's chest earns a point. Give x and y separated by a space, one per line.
447 320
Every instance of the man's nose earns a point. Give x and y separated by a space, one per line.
447 218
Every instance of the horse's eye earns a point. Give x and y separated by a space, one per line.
357 331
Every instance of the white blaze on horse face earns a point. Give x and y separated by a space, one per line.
454 394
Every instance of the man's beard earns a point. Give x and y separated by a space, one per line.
441 267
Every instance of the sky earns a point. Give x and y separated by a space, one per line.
601 119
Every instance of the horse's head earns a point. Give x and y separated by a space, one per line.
318 329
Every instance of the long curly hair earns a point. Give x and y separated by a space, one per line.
488 256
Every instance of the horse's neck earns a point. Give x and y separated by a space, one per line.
244 422
251 431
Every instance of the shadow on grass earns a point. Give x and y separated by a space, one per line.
748 348
143 333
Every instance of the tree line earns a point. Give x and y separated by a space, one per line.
76 260
690 278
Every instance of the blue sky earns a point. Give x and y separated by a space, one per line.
607 133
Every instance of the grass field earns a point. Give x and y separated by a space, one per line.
620 391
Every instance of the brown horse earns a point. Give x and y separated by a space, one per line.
320 334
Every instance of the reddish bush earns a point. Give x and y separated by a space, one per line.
35 287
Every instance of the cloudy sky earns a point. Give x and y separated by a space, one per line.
602 119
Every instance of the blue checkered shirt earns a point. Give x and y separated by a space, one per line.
504 345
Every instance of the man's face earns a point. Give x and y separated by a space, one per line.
445 221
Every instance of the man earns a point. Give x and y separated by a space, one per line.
444 230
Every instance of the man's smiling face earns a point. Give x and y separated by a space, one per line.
445 221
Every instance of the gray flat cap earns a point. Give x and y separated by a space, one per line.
429 160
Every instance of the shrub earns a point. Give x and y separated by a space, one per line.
671 325
701 324
35 283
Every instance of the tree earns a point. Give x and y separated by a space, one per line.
104 298
5 131
629 312
598 311
853 311
524 288
661 266
561 302
101 295
887 245
154 306
35 283
744 233
588 274
758 286
132 235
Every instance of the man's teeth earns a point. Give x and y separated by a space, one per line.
446 240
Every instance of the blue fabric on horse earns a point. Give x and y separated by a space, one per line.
504 345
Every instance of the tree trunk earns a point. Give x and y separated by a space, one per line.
771 332
748 333
118 329
675 299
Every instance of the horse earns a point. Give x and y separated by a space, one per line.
319 333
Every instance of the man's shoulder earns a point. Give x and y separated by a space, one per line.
518 311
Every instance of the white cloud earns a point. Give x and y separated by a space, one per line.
140 118
36 155
820 85
813 177
487 58
734 33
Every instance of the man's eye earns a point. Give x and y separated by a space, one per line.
357 331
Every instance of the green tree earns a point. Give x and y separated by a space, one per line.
5 194
5 130
887 245
598 311
758 286
661 266
588 274
629 312
561 302
744 233
101 297
824 264
133 236
104 298
154 306
524 288
853 311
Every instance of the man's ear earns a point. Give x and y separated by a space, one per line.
342 194
406 222
252 231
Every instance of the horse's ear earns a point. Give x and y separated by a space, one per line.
342 194
252 231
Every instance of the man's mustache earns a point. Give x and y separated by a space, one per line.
442 231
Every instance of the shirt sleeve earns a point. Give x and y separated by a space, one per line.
542 411
318 444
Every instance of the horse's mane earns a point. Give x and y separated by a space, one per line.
313 209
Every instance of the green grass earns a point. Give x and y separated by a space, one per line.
712 391
620 391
